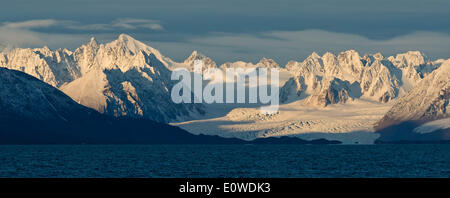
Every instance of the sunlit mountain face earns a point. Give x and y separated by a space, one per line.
338 97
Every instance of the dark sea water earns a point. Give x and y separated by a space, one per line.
225 161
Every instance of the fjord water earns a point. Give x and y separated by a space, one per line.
225 161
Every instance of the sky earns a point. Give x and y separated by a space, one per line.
234 30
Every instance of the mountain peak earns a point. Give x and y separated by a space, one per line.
410 54
134 46
417 53
267 62
195 55
314 55
378 56
125 38
350 53
409 59
329 54
92 42
129 42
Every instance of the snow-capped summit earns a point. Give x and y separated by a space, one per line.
207 62
126 42
408 59
237 64
351 64
267 63
415 64
380 81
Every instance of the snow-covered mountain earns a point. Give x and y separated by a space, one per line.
122 78
53 67
428 101
267 63
34 112
331 91
127 78
207 62
25 97
372 77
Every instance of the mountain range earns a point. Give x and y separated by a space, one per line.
34 112
127 79
330 79
122 78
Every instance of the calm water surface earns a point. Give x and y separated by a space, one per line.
225 161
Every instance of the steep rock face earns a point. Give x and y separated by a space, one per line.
84 56
330 91
300 87
380 81
331 66
350 61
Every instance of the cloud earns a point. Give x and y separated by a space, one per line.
118 24
29 33
131 23
283 46
29 24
